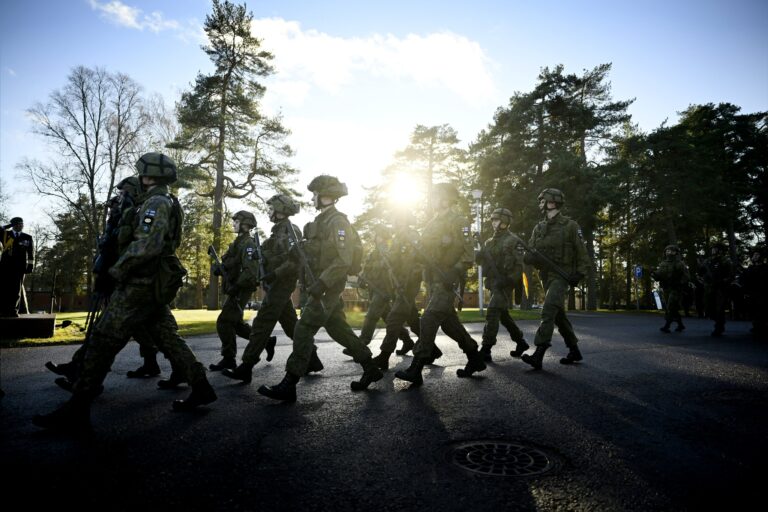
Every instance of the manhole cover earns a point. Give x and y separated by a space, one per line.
501 458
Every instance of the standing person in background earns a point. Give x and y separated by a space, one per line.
718 276
673 276
18 259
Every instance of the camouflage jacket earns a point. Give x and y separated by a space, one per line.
277 252
501 252
375 272
241 263
147 232
446 244
327 250
718 272
559 238
672 274
406 271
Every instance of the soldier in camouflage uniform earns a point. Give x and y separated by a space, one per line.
673 276
405 276
559 239
375 277
502 257
754 280
446 251
240 266
279 281
718 276
108 254
148 274
330 258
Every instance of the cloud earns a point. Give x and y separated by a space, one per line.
443 60
127 16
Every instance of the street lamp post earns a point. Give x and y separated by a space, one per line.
478 195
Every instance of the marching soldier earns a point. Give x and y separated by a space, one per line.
503 259
240 268
377 279
149 275
446 251
718 276
558 249
673 276
17 260
279 282
405 275
332 253
754 280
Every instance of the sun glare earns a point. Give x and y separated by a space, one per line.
406 191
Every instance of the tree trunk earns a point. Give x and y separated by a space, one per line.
218 211
592 288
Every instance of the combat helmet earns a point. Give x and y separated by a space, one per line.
503 214
554 195
245 218
445 191
281 203
129 185
329 186
157 165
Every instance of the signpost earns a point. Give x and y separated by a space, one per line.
638 275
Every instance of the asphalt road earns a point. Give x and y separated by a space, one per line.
648 421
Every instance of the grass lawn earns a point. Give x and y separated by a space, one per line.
194 322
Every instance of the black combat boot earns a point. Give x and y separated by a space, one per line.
226 362
68 385
68 370
73 417
202 394
536 358
173 381
371 374
407 347
665 328
315 364
150 368
475 363
270 347
485 352
243 372
436 354
574 355
413 373
285 391
680 327
521 347
382 361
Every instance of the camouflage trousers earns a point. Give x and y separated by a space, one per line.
328 313
441 314
553 314
143 336
493 317
672 299
129 310
378 308
402 312
276 307
230 324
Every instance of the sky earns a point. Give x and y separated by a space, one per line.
354 78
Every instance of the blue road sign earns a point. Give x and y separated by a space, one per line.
638 271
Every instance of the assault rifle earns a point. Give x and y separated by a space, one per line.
557 269
395 283
304 261
222 271
486 257
260 255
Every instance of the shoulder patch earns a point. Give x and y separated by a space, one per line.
581 235
342 234
465 230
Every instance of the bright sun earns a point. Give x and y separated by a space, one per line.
405 191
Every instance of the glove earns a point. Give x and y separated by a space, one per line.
575 278
269 277
317 290
534 259
28 270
